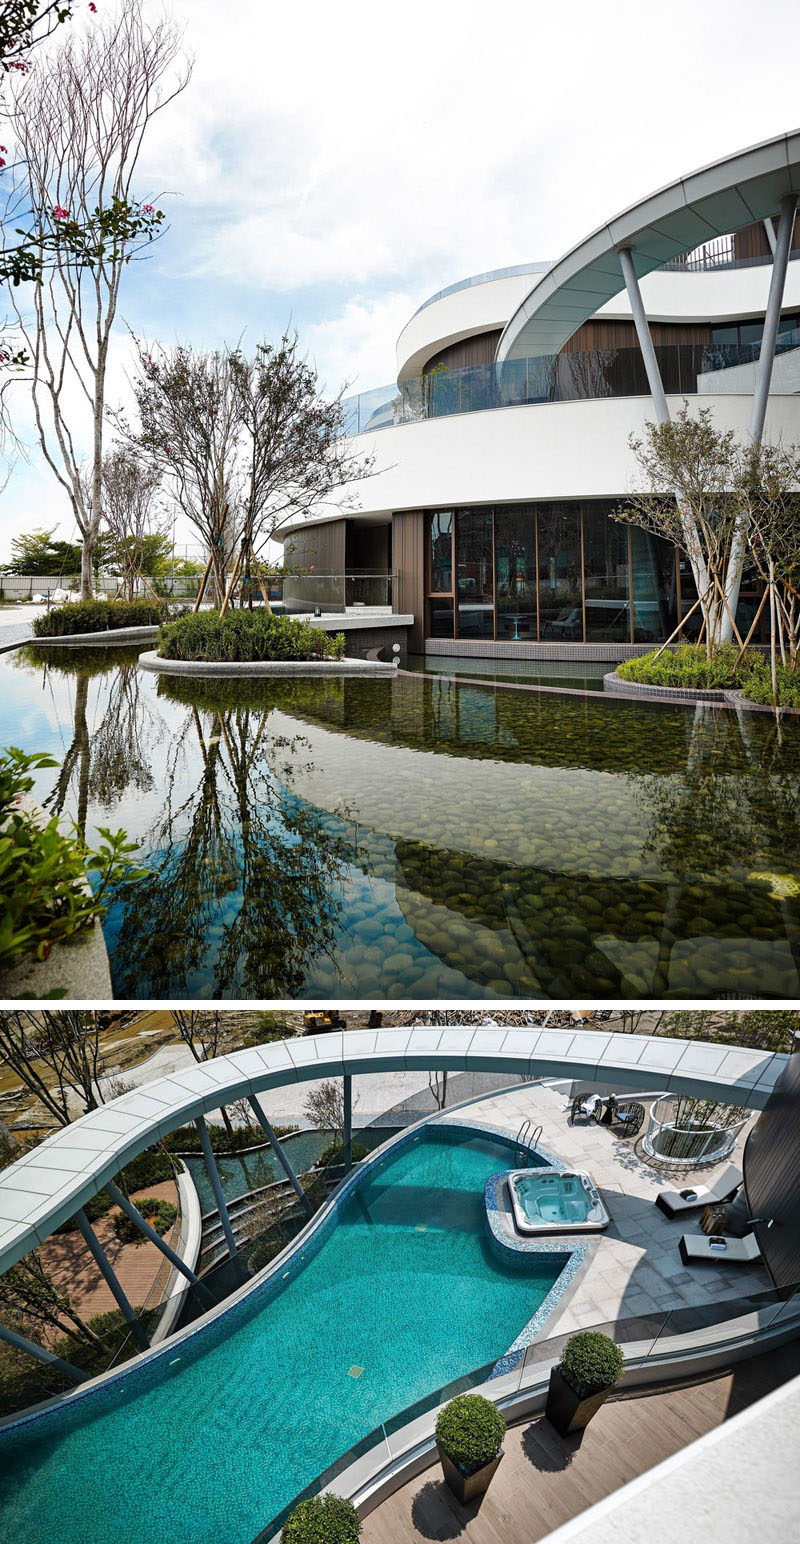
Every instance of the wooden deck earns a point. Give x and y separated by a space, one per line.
544 1480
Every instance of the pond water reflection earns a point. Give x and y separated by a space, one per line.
409 837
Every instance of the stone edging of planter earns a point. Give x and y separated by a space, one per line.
107 638
614 685
264 667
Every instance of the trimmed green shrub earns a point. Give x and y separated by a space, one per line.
470 1430
160 1215
98 616
186 1139
324 1519
246 636
688 666
591 1362
335 1154
757 687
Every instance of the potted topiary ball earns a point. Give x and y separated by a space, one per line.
469 1436
324 1519
590 1367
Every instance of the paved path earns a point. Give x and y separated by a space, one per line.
634 1268
16 624
137 1266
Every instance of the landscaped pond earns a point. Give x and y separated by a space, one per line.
420 838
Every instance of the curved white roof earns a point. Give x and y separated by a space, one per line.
46 1186
737 191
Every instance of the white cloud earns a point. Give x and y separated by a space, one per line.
340 163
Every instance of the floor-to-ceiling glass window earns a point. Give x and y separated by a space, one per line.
654 582
605 573
560 589
474 573
440 574
515 571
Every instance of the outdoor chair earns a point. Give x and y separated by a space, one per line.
673 1203
626 1118
585 1106
708 1248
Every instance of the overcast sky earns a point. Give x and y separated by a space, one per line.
336 164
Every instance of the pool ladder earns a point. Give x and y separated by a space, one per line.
527 1138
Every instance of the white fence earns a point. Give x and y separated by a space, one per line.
22 587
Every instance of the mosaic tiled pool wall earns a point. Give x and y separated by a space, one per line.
515 1248
106 1390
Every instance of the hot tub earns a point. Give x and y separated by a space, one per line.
549 1201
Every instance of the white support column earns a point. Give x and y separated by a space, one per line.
758 411
201 1290
769 229
106 1270
216 1185
347 1144
30 1348
279 1153
772 317
644 336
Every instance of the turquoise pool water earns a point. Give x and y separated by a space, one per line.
209 1443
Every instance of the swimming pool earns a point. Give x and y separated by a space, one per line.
422 838
210 1439
556 1202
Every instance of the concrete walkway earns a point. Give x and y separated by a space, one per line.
16 624
634 1267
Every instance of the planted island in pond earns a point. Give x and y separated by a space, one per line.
246 636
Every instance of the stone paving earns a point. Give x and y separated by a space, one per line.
634 1267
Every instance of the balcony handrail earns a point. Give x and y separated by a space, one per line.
571 375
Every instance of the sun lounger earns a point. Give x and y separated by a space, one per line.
710 1247
674 1202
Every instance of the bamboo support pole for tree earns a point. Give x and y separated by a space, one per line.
203 582
234 572
684 619
731 617
753 625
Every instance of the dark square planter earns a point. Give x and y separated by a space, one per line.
565 1409
466 1484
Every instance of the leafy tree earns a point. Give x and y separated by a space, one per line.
188 433
324 1105
38 553
767 504
687 472
293 452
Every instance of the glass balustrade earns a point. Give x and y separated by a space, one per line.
574 376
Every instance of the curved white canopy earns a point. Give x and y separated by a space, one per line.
732 193
46 1186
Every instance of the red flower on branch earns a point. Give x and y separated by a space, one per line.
60 213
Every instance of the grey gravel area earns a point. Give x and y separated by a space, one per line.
15 634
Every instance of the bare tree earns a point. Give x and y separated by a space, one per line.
324 1105
189 430
132 514
63 1044
32 1303
79 135
203 1031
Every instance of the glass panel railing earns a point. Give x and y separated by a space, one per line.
354 588
566 377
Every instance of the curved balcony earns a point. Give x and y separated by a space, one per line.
565 377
